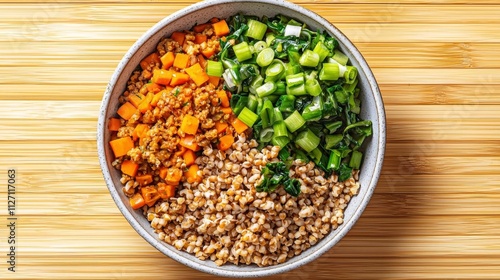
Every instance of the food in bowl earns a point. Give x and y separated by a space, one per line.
240 139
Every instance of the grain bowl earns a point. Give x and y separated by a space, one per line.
242 190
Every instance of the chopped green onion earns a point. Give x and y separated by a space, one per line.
229 79
321 50
287 103
350 74
332 140
252 102
294 22
280 141
309 59
314 111
259 46
295 79
256 82
256 29
296 90
265 57
267 114
266 134
278 116
214 68
316 155
313 87
329 72
292 68
238 102
280 129
273 97
334 160
248 117
294 121
265 89
274 71
355 161
307 140
242 51
280 88
342 68
293 30
270 38
340 57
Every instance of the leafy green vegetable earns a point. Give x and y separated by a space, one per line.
344 172
276 174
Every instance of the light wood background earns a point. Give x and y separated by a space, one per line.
435 213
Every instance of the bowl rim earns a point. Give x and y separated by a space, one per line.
270 270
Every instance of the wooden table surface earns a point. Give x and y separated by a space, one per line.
435 213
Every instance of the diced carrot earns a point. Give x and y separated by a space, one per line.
192 174
167 60
224 100
144 180
157 98
150 195
139 131
214 80
201 27
166 191
178 37
137 201
181 151
129 167
190 124
153 87
202 61
179 79
174 176
170 190
208 52
200 38
189 157
114 124
188 141
146 104
161 76
126 111
197 74
221 126
214 20
227 110
238 125
149 60
136 99
121 146
221 28
162 172
181 60
225 142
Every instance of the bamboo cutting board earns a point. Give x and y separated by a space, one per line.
435 213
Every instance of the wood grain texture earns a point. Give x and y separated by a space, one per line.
434 214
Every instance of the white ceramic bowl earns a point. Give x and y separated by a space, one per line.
372 109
